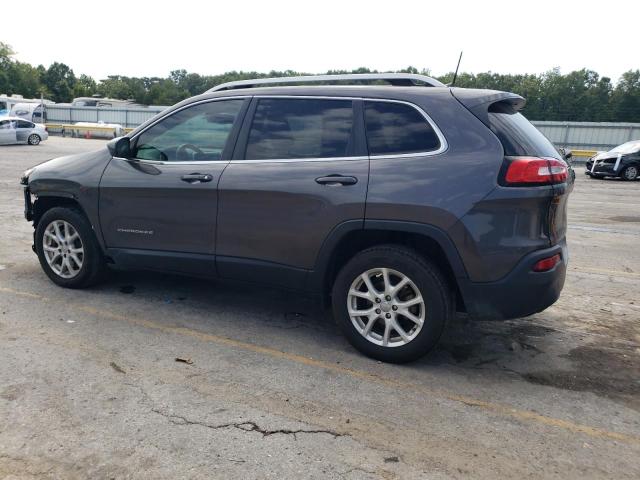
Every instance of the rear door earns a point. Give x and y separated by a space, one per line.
299 171
23 130
165 197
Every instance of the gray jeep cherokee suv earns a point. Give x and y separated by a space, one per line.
400 201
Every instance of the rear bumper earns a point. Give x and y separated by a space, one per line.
521 293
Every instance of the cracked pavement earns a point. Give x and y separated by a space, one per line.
90 386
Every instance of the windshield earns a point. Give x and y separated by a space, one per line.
626 148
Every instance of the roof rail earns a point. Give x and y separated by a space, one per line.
397 79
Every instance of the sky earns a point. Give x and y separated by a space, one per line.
145 38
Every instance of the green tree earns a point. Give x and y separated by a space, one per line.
85 86
59 80
625 99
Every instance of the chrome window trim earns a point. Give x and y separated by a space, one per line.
163 162
294 160
444 146
195 162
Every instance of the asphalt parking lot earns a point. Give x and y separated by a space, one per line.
90 386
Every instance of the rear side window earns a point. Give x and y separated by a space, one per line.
518 136
300 128
397 128
23 124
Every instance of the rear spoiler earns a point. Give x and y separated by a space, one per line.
479 101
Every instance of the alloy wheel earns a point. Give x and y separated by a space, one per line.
386 307
63 249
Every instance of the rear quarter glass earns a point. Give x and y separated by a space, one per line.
517 135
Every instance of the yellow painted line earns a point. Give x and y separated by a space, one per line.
504 410
604 271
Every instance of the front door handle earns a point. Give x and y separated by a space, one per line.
336 180
197 178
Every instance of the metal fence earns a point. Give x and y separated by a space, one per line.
589 135
575 135
128 118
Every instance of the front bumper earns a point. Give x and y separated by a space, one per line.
520 293
601 169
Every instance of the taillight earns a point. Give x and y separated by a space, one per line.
533 171
546 264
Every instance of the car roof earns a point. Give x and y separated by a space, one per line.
411 94
15 118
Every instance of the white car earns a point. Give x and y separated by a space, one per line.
18 130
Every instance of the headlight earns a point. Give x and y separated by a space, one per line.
24 180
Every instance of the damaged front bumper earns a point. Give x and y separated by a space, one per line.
607 167
28 204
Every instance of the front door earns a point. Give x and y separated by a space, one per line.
7 132
164 198
298 172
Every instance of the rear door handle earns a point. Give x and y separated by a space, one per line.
197 178
336 180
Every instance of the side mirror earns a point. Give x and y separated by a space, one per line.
120 147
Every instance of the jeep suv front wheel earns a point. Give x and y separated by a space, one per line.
67 248
391 303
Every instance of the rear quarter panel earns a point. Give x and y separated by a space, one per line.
441 189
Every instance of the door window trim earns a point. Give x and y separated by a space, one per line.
233 134
444 146
443 142
441 138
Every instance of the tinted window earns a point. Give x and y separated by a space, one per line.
518 136
5 124
396 128
195 133
23 124
300 128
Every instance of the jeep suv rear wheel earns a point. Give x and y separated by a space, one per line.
391 303
67 248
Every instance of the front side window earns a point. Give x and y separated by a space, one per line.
397 128
197 133
284 128
5 125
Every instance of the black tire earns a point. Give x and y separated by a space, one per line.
93 264
629 173
430 282
34 139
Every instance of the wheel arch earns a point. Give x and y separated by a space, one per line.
46 201
349 238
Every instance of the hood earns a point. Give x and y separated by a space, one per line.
83 169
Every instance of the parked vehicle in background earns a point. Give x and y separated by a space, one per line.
622 161
16 130
7 102
33 112
397 203
99 101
